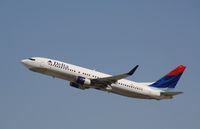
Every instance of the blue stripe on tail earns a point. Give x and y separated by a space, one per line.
167 81
171 79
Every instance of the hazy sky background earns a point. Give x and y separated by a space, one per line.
109 36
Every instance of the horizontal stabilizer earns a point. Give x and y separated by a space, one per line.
170 93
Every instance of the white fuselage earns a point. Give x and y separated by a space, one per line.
69 72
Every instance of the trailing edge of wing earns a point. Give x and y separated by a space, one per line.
113 79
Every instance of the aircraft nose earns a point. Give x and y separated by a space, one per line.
24 62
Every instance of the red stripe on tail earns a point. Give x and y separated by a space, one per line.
177 70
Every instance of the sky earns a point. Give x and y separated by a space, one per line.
111 36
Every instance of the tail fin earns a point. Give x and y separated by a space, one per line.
171 79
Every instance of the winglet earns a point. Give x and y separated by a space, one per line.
133 70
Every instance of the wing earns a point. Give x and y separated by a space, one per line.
112 79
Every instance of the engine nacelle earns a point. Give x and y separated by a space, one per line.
83 81
76 85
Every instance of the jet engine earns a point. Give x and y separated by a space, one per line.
83 81
76 85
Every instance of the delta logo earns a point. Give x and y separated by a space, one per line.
50 62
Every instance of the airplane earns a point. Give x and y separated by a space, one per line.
83 78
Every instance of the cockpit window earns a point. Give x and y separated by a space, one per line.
31 59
